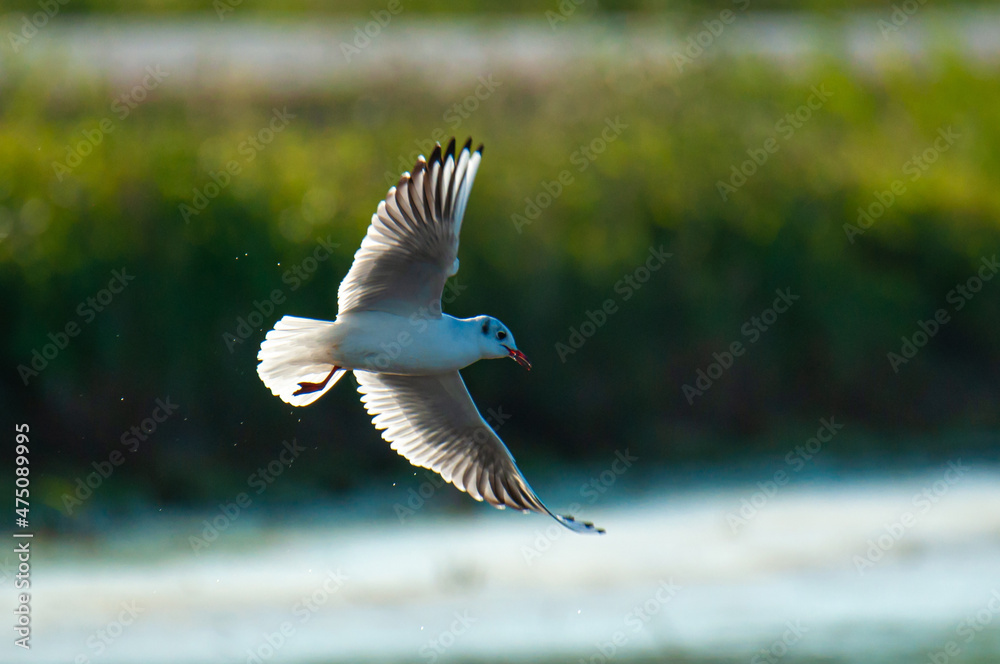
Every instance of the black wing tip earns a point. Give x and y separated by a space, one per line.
441 154
468 146
586 527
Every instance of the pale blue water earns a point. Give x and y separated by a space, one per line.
671 578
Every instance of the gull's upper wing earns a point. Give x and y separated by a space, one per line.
432 421
411 247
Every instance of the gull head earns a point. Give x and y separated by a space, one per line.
496 341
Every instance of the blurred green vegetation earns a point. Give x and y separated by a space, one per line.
324 173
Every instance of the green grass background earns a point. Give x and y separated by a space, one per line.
656 184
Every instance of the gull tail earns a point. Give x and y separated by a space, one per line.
296 360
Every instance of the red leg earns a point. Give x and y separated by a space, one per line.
309 388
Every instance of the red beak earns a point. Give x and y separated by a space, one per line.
519 357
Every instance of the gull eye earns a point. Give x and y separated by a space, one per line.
486 327
501 335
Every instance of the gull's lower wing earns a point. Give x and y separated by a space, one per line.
411 247
433 422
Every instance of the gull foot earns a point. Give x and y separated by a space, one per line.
309 388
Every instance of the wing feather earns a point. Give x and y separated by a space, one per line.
411 246
458 177
433 422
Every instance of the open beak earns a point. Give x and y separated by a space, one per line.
518 357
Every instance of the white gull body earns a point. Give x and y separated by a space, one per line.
404 352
